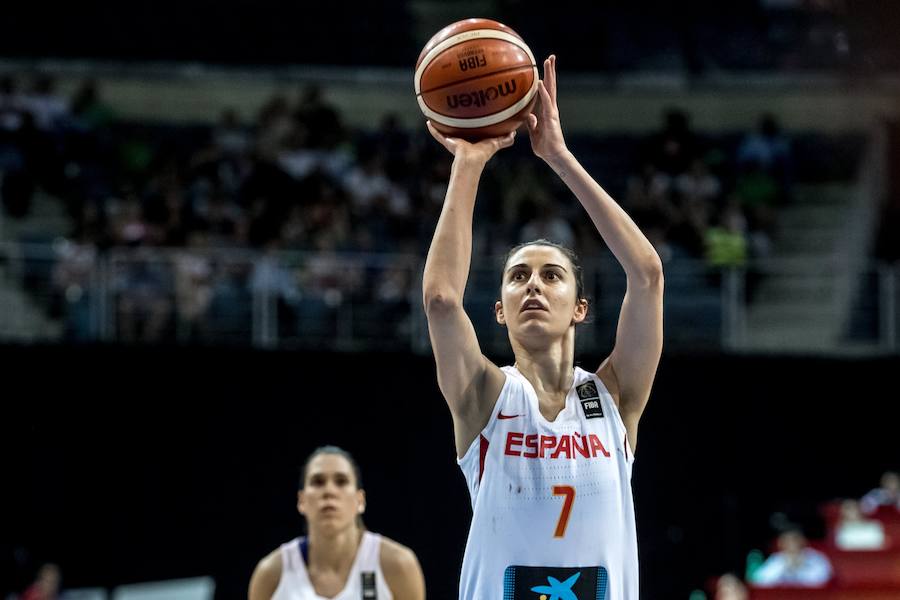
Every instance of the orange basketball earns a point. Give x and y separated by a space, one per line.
475 79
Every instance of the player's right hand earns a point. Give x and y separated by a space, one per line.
481 150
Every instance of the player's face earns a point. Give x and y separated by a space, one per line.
330 498
538 293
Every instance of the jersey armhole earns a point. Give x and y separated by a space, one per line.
474 448
620 422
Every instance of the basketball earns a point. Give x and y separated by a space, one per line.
476 79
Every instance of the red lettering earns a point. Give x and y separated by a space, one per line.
562 448
513 438
583 449
547 442
596 444
531 444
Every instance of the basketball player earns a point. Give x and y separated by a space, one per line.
339 559
546 447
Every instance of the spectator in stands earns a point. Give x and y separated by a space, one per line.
726 242
144 285
89 112
674 148
769 150
10 105
648 197
72 282
757 192
794 564
46 585
729 587
698 184
854 532
49 109
321 119
888 494
193 288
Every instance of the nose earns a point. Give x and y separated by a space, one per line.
534 284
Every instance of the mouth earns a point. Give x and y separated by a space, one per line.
329 510
533 305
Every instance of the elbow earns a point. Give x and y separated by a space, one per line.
650 273
439 302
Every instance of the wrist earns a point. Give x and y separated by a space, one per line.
558 159
468 160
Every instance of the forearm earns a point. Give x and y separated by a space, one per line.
623 237
450 254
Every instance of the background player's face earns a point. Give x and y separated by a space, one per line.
538 293
330 498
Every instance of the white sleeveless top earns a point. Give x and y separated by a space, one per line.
551 501
365 581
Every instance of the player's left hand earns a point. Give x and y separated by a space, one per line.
544 127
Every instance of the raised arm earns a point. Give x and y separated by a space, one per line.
469 382
631 367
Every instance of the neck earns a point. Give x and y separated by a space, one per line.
547 367
334 549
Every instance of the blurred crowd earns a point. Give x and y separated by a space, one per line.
853 528
296 179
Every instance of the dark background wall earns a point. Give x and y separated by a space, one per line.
129 464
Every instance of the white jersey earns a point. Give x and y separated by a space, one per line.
553 514
365 581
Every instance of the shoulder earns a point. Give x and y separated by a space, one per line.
396 558
266 576
401 569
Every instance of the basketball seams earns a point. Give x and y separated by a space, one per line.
474 77
463 37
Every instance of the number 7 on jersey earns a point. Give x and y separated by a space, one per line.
569 492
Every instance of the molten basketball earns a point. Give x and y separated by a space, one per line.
475 79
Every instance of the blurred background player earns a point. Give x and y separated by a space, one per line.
338 559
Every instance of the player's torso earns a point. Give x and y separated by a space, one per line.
365 581
551 495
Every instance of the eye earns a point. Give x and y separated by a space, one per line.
518 276
317 481
341 481
551 275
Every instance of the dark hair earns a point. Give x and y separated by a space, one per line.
568 252
336 451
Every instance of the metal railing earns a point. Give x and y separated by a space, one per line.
354 302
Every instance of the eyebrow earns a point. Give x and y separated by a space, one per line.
527 267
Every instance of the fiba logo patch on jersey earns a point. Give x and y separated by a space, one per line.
590 400
554 583
369 587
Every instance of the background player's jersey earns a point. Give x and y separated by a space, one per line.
552 504
365 581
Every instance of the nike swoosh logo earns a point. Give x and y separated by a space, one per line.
500 415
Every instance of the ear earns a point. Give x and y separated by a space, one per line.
581 310
361 498
301 503
498 312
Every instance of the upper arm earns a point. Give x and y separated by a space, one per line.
265 577
468 380
402 571
635 357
